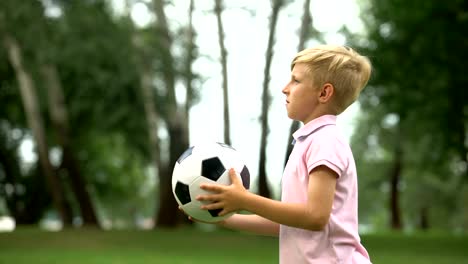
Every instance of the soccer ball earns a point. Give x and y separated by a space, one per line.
205 163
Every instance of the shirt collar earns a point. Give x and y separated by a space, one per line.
309 128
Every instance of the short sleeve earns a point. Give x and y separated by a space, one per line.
329 150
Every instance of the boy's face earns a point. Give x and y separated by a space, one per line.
301 96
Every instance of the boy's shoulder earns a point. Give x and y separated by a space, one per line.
329 133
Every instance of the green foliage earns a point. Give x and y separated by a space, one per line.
122 187
94 57
20 189
100 57
418 51
98 73
11 105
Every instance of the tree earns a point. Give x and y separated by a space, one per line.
218 11
144 61
106 123
168 213
191 54
23 192
416 49
304 34
263 188
59 116
96 82
30 102
21 189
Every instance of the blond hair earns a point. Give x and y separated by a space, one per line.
344 68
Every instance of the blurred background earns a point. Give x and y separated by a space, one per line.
98 98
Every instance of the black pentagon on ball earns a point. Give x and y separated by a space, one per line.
245 175
184 155
212 168
183 193
214 212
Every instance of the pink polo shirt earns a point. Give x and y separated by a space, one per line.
319 142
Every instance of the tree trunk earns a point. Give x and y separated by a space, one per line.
188 71
30 102
168 215
27 209
395 175
424 218
190 49
11 172
59 117
189 76
306 25
152 119
218 10
457 123
146 89
263 188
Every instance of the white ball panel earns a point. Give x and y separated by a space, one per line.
185 173
193 209
231 159
194 186
195 191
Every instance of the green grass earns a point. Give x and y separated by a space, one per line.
193 246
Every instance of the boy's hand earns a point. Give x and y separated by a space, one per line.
188 216
196 220
228 198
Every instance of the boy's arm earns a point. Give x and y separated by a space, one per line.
252 224
246 222
313 215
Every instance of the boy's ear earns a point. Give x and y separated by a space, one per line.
326 92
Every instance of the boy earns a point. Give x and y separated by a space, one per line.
316 219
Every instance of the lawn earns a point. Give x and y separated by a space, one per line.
28 245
